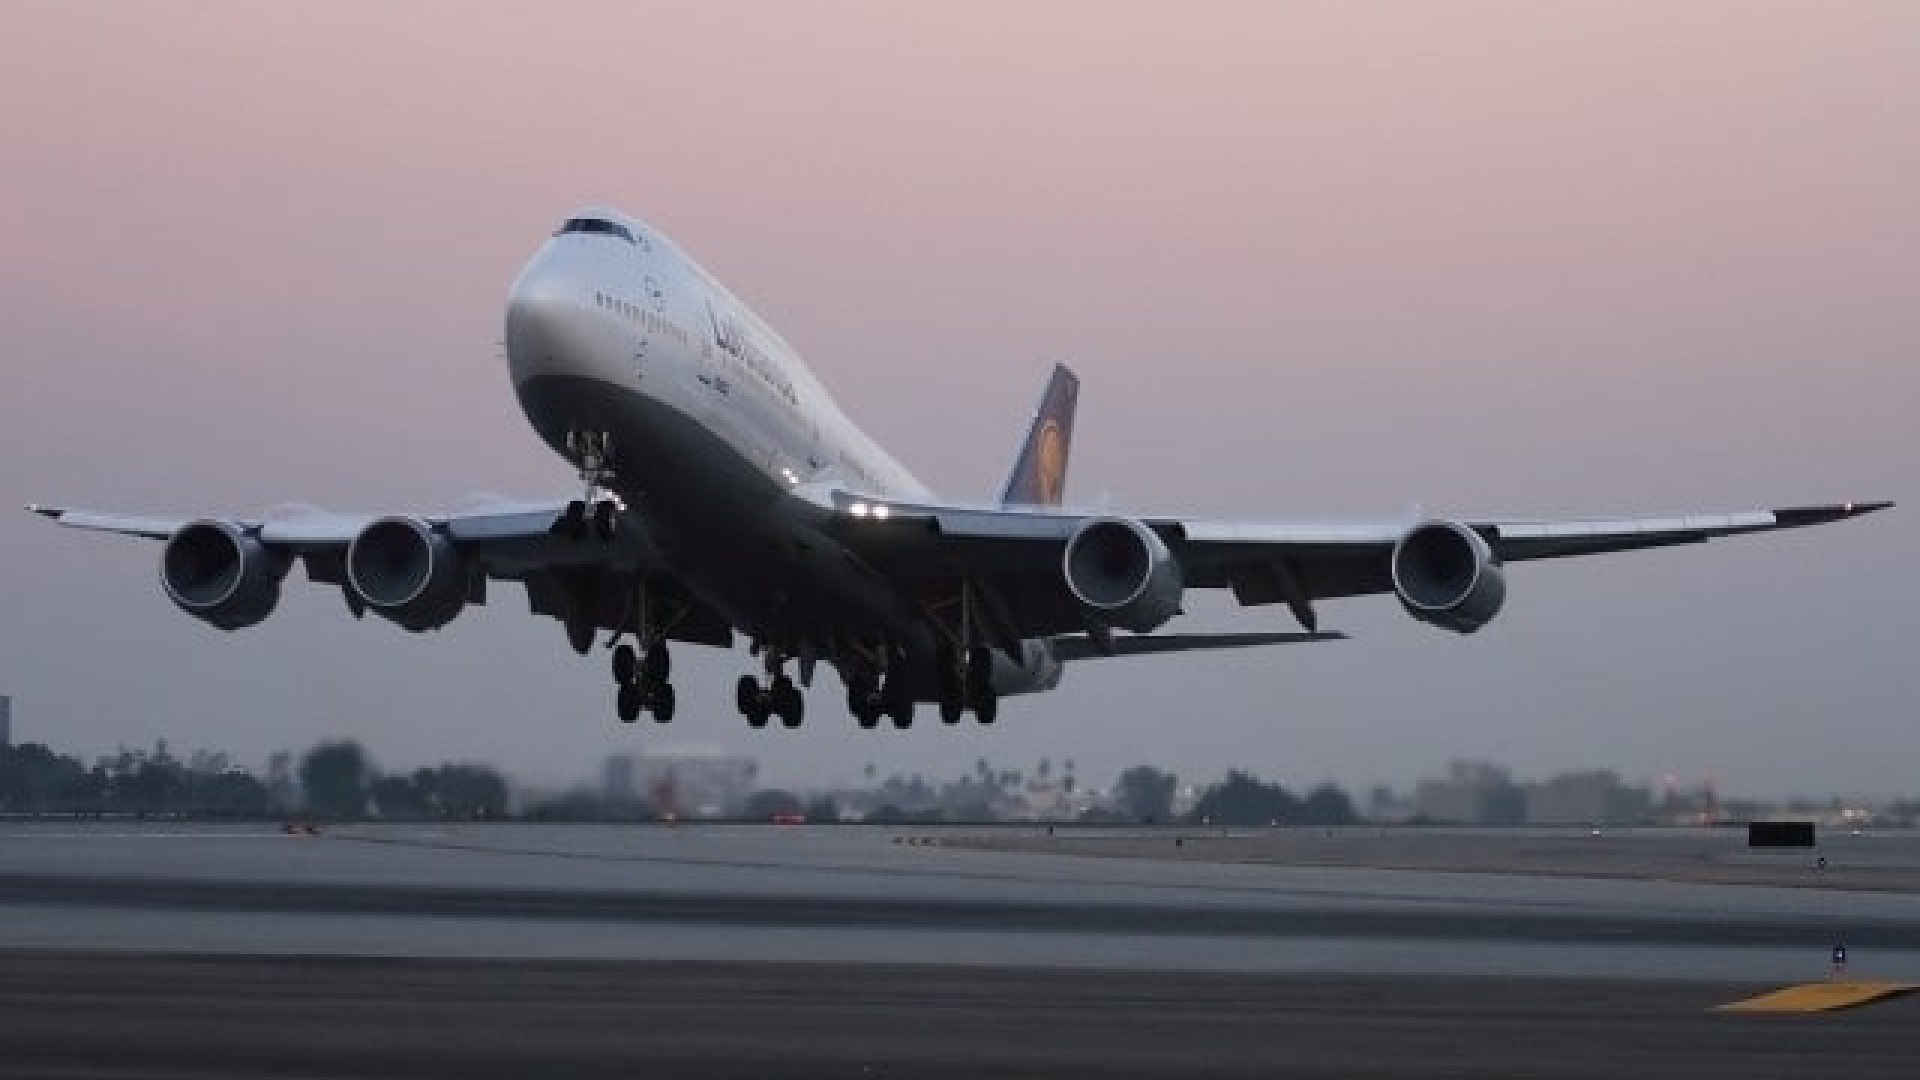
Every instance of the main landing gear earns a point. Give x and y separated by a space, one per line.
642 678
968 685
871 696
965 669
778 696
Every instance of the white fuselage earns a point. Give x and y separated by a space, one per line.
633 312
710 421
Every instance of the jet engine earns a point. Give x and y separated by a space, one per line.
1445 575
219 574
1122 572
408 573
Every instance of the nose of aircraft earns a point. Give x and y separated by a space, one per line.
548 325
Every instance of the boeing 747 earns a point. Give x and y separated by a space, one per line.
725 496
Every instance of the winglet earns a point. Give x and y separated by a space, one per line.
1040 472
1795 516
51 512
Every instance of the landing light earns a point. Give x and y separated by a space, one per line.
858 509
880 511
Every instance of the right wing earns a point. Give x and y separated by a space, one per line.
418 571
1447 572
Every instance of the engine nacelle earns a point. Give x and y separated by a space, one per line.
217 573
408 573
1123 574
1445 575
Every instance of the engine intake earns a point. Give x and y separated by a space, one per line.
1123 574
408 573
219 574
1445 575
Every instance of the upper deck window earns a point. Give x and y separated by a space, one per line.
595 225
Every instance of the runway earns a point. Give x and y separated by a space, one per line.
739 950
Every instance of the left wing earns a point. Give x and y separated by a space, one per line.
1041 572
417 571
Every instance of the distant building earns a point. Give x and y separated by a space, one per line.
616 777
1472 793
692 781
6 720
1591 797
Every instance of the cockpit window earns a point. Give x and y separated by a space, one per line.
596 225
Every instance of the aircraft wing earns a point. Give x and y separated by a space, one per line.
1079 647
564 570
1016 555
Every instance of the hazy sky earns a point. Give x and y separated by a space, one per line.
1513 257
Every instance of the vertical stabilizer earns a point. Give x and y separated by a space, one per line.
1040 472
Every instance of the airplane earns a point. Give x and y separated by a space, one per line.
726 495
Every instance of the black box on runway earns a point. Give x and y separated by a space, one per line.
1779 834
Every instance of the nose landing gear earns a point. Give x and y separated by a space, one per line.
596 514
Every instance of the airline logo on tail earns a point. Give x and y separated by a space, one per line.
1040 472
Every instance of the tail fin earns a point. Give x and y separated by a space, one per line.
1040 472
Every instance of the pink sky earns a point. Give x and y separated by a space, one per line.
1490 257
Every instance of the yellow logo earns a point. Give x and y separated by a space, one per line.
1050 467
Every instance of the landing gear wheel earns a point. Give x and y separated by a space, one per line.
784 700
626 665
863 700
606 520
627 703
663 703
659 661
953 681
573 523
897 703
580 632
980 693
987 708
750 701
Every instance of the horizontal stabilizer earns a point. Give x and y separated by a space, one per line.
1081 647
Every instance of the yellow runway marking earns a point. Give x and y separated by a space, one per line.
1820 997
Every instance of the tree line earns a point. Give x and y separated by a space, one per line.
333 779
1241 800
339 780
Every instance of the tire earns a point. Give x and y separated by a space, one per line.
659 662
987 708
787 703
627 703
573 524
626 666
663 703
746 695
951 709
580 632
